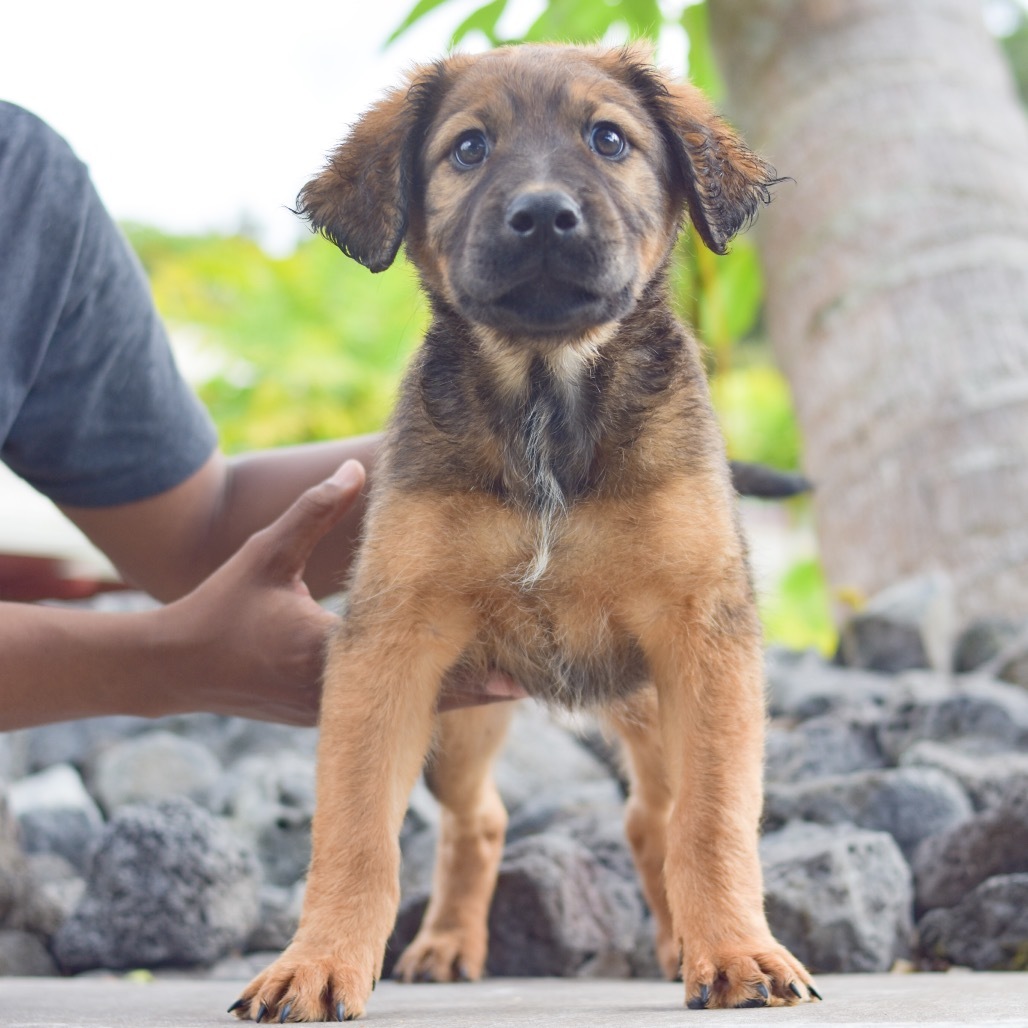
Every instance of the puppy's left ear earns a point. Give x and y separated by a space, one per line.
723 180
361 199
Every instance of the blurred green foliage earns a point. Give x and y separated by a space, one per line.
304 347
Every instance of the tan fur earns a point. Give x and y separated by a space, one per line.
552 502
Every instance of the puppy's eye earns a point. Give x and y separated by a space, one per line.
606 139
470 149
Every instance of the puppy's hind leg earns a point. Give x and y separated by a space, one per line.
647 811
452 941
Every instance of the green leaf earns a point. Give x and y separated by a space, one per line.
420 9
483 20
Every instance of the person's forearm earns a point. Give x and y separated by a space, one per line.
168 544
57 664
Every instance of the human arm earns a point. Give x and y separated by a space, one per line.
202 521
248 641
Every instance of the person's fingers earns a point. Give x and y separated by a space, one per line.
497 688
290 539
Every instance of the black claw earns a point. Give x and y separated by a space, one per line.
750 1004
462 974
374 982
795 990
261 1013
340 1011
285 1013
238 1005
814 993
762 989
700 1002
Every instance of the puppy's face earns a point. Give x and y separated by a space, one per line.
546 201
539 189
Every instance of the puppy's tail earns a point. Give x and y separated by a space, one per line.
767 483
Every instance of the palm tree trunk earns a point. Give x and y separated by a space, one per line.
897 279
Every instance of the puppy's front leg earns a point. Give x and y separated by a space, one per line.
381 684
697 624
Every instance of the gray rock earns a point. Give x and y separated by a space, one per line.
985 775
559 911
77 742
59 888
56 815
987 930
23 905
13 757
277 918
270 803
564 806
826 745
169 885
231 738
802 685
908 803
69 834
995 842
540 753
57 788
909 625
975 708
21 953
983 641
153 766
839 898
1013 667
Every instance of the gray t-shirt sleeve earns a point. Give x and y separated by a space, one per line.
93 411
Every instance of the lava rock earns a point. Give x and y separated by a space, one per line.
909 625
951 864
974 709
154 766
169 885
826 745
985 775
908 803
840 898
56 815
559 911
984 640
270 803
987 930
22 953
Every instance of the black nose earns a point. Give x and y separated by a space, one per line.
548 213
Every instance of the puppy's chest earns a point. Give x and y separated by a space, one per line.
566 646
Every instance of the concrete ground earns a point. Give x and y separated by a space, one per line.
957 998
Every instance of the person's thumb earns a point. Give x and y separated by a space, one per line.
289 541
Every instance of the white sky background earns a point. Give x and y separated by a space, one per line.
211 114
206 113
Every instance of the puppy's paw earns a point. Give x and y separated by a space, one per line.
307 986
751 973
442 956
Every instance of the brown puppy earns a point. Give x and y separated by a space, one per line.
553 501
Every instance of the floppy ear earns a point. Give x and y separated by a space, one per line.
721 181
360 200
724 181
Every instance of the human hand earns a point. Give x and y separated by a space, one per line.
255 638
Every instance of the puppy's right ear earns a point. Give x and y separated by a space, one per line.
360 200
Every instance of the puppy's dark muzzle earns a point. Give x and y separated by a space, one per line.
542 269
